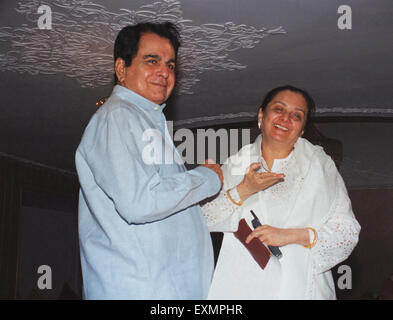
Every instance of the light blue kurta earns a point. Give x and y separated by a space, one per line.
142 234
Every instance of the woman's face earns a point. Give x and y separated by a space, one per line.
284 118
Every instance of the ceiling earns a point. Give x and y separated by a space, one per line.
233 52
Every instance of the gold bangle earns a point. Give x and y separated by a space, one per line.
230 198
309 246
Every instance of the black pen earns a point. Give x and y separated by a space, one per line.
256 223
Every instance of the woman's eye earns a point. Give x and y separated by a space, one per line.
297 117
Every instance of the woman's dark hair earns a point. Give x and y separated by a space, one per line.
127 41
309 100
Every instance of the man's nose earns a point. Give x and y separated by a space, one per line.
163 70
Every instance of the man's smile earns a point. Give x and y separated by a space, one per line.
160 84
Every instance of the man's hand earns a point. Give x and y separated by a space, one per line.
215 167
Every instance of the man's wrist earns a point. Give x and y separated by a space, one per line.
211 176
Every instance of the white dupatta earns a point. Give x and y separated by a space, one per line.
318 188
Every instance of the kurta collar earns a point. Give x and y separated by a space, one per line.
143 103
303 152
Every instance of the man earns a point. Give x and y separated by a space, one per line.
142 234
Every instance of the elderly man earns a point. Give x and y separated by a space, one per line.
142 234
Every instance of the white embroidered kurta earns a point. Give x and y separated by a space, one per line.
312 194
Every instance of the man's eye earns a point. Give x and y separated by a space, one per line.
152 61
171 67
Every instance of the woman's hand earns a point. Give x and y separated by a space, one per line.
279 237
254 181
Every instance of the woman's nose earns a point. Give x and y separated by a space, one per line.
285 116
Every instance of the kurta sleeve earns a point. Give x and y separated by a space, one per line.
138 192
339 233
221 214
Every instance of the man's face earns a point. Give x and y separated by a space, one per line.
152 71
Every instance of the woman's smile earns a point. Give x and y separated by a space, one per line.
276 125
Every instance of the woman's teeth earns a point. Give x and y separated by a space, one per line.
280 127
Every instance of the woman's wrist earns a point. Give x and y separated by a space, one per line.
234 197
299 236
313 234
242 191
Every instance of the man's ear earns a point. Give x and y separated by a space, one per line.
120 68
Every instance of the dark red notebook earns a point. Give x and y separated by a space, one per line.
259 252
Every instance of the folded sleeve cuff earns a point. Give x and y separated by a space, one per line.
212 178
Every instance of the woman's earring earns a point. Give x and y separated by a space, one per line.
259 124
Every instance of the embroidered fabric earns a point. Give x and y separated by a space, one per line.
221 214
279 198
337 237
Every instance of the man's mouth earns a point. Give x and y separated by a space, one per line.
280 127
159 84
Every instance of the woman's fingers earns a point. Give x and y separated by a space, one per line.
254 182
266 180
271 175
253 167
269 235
257 233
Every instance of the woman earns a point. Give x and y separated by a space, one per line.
298 195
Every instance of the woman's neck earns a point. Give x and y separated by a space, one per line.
271 151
